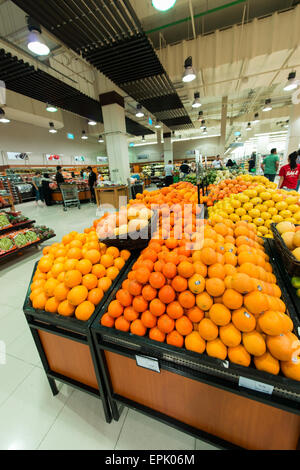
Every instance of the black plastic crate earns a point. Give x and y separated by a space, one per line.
65 329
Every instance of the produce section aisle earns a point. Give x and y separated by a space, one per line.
72 420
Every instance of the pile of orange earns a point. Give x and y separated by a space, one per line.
221 300
72 276
228 187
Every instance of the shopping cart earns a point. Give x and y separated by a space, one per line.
70 195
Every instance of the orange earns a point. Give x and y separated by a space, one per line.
184 326
156 335
106 260
195 314
208 330
112 272
39 276
61 292
220 314
35 292
194 342
208 256
158 266
125 254
165 324
84 311
73 278
157 280
243 320
84 266
215 287
239 355
45 264
130 314
90 281
186 269
115 309
230 258
142 275
75 244
37 284
216 348
140 304
175 339
150 254
138 328
122 324
74 253
107 320
70 264
186 299
242 283
169 270
230 335
124 297
57 269
95 296
232 299
175 310
196 284
204 301
119 263
104 283
274 323
179 284
256 302
113 251
149 293
135 288
50 286
52 305
148 319
66 309
283 346
216 270
291 369
254 343
200 268
267 363
98 270
77 295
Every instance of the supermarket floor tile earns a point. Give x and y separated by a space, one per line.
201 445
23 347
30 411
12 325
81 426
142 433
12 373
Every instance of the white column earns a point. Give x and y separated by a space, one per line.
168 148
115 135
223 125
293 137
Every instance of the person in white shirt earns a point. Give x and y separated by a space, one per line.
169 172
217 163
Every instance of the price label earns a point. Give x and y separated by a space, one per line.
257 386
150 363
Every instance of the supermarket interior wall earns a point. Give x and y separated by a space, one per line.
208 147
37 142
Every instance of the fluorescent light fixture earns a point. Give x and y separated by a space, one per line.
189 73
51 109
249 128
52 130
70 136
163 5
202 124
3 119
267 107
292 83
256 118
139 112
84 137
147 143
196 103
100 140
36 44
92 123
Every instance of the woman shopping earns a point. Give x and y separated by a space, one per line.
37 183
290 174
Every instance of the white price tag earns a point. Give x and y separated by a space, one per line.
299 331
257 386
150 363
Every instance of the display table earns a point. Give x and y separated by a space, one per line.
110 195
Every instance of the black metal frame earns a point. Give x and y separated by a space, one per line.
213 371
75 330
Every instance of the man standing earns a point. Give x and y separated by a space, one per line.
184 168
270 165
217 163
59 177
169 172
92 181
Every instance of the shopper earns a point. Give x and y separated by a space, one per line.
229 164
169 173
47 194
92 181
185 168
37 183
270 165
59 177
217 163
252 163
290 173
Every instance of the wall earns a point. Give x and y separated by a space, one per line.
208 147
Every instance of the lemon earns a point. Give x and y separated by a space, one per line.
277 218
234 217
265 215
260 188
281 206
293 208
285 214
254 213
250 193
269 203
240 212
291 200
247 218
277 197
259 221
243 198
297 216
223 214
291 219
255 201
261 207
235 203
269 235
273 211
248 206
268 223
266 195
263 230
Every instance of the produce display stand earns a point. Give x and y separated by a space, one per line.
210 399
25 224
110 195
66 349
17 251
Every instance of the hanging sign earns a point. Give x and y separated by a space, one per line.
102 159
79 159
52 157
17 156
143 157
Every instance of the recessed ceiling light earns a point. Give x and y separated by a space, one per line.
139 112
92 123
52 130
249 128
292 83
163 5
84 136
196 103
51 109
200 115
36 44
267 106
3 119
143 139
189 73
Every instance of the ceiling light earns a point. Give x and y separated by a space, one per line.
196 103
139 112
50 108
287 124
36 44
267 106
52 130
249 128
84 137
92 123
163 5
100 140
3 119
143 139
158 125
189 73
205 130
292 83
202 125
256 118
200 116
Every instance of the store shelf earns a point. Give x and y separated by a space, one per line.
12 253
15 227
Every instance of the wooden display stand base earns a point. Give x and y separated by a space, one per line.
110 195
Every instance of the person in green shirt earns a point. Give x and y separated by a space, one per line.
270 165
